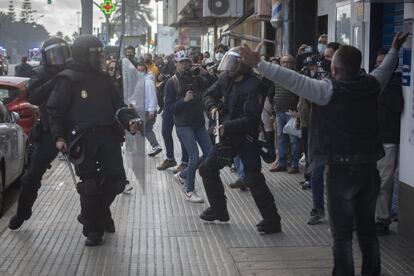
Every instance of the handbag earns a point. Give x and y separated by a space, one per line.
290 128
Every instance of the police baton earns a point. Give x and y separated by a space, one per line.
217 119
72 173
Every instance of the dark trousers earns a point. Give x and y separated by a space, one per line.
43 154
304 141
101 174
352 194
250 156
166 130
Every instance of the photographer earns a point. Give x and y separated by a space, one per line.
183 98
236 96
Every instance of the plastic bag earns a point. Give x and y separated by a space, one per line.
290 128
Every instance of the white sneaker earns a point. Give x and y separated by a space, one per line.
155 150
179 178
128 188
193 197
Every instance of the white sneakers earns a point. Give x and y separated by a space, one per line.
128 188
189 196
193 197
178 177
155 151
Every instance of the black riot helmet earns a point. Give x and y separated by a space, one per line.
231 63
88 49
55 52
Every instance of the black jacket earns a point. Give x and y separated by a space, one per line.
240 105
82 98
186 114
346 129
390 105
24 70
39 88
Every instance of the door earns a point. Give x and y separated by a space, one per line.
9 145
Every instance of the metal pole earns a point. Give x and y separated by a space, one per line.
87 17
123 16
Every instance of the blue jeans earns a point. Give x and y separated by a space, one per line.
166 130
281 121
239 167
317 187
191 137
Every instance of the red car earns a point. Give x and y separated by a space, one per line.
13 95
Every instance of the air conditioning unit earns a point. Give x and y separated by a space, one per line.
222 8
262 9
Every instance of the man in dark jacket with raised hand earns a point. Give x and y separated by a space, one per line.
82 110
390 105
55 53
344 135
236 96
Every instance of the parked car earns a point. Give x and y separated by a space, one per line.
13 148
13 95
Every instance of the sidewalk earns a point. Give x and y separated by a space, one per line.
159 233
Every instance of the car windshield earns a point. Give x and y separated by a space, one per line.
8 94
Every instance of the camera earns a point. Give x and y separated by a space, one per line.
308 49
193 71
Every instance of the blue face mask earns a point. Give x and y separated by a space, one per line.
321 48
141 74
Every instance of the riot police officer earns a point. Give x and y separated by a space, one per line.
240 118
55 53
82 110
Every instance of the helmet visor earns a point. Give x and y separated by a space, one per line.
230 62
57 54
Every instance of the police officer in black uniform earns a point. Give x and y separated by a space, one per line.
55 53
236 95
82 109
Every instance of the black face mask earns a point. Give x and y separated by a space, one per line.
326 65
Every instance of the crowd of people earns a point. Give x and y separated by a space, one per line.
239 108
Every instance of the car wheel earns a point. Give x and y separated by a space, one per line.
1 192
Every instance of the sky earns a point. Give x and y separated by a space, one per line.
62 15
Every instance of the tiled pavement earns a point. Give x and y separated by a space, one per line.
159 233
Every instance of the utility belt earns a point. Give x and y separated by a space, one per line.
353 159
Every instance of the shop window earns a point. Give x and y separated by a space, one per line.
343 24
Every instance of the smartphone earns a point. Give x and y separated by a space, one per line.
308 49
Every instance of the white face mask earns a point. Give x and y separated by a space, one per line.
321 48
219 56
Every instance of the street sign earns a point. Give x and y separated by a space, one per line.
108 7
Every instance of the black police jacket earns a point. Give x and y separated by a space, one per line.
346 129
240 104
39 88
82 98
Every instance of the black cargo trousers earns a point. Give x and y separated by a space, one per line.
102 176
44 152
249 153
